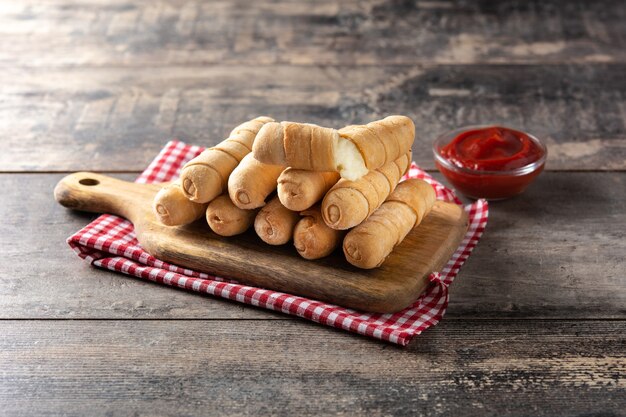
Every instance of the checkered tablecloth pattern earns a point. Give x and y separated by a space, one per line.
109 242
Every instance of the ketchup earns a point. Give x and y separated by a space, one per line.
490 162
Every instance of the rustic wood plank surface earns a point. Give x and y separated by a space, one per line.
79 119
535 323
461 367
156 33
575 270
40 277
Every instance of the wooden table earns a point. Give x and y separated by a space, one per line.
536 322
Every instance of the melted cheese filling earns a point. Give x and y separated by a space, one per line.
348 160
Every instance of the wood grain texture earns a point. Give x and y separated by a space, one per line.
387 289
118 119
137 33
461 367
543 247
40 276
554 252
82 80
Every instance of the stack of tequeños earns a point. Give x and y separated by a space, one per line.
314 185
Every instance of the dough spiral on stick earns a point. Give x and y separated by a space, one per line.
274 223
299 189
349 203
351 151
312 238
251 182
226 219
205 177
172 208
368 245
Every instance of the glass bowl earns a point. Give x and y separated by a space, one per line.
491 185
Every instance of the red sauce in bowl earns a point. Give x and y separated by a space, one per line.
490 162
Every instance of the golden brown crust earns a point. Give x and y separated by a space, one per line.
381 141
268 145
308 146
298 145
312 238
370 146
370 243
348 203
251 182
343 208
205 177
274 223
420 197
299 189
172 208
226 219
312 147
322 156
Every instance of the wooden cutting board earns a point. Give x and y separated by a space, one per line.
390 288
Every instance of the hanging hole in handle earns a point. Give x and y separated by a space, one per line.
88 182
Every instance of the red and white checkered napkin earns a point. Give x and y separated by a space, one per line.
110 242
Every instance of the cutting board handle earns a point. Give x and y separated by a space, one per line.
96 193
